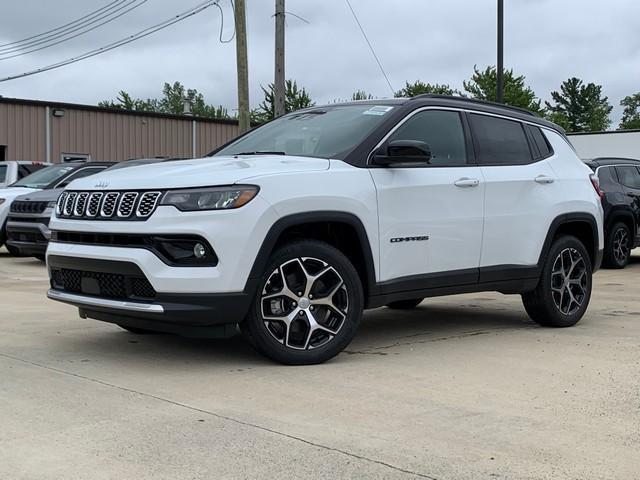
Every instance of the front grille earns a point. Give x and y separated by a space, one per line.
121 206
23 206
106 285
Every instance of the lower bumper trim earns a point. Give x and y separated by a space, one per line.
86 301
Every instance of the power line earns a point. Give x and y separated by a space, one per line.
132 38
109 6
233 8
370 47
50 43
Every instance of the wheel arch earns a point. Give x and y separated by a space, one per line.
340 229
623 215
579 224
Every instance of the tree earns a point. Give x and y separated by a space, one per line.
631 113
361 95
295 99
483 85
419 88
580 108
172 101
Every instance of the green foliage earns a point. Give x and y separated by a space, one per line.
295 99
580 108
172 101
631 113
483 85
419 88
361 95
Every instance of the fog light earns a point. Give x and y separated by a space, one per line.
199 251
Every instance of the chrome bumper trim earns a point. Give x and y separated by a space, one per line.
82 300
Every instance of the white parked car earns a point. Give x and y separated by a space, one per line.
291 230
12 171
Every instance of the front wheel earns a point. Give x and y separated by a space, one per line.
564 290
618 246
308 305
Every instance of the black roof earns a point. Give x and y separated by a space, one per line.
604 161
460 102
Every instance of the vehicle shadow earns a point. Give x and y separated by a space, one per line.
381 331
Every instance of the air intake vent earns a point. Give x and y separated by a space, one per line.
109 204
93 208
147 205
60 206
81 204
69 203
127 202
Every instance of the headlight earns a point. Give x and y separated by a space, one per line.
213 198
2 200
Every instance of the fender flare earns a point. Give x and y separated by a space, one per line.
284 223
563 219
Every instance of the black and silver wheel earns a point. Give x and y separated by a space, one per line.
618 246
308 305
564 289
405 304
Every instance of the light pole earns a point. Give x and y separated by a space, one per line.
500 67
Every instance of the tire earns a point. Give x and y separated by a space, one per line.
405 304
305 281
13 251
137 331
617 249
564 290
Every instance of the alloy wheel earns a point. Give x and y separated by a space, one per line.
621 245
304 303
569 281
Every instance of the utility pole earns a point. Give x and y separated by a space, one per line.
279 80
242 66
500 67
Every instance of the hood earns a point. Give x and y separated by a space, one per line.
201 172
42 195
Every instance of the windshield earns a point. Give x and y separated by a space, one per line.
3 173
44 177
327 132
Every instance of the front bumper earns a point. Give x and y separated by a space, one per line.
29 233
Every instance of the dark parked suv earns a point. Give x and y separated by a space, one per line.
620 191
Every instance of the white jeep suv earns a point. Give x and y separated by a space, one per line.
291 230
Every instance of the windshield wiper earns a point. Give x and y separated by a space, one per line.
260 152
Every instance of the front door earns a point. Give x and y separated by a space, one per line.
431 216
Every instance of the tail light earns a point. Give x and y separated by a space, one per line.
596 185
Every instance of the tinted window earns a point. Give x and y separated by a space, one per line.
44 177
607 176
34 167
629 176
84 172
500 141
327 132
541 142
442 131
3 173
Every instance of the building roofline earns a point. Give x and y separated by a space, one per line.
95 108
605 132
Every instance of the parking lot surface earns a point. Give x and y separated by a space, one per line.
463 387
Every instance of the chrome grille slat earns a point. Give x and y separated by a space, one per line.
81 203
60 203
69 204
109 204
93 206
127 204
147 204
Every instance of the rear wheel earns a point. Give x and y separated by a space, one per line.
618 246
308 305
405 304
564 289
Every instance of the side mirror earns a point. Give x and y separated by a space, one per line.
403 152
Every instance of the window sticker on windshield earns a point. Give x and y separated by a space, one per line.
378 110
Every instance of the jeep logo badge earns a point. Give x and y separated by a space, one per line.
102 185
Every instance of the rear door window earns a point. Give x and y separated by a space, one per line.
3 173
629 176
499 141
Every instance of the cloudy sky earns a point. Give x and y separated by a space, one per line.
432 40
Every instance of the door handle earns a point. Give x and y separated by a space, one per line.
544 179
465 182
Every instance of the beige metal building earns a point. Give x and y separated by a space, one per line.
56 132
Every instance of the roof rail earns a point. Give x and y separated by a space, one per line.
475 100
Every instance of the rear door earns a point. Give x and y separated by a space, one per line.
430 216
521 193
629 177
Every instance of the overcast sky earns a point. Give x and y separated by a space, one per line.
431 40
